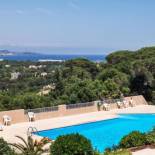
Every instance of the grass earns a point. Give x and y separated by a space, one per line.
122 152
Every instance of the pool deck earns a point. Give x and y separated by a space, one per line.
145 152
20 129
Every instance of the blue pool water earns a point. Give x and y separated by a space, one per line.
106 133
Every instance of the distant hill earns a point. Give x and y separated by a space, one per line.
7 52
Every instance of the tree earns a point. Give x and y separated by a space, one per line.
79 72
83 63
31 147
111 89
73 144
79 90
141 81
119 56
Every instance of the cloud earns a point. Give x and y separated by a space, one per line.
73 4
19 12
44 11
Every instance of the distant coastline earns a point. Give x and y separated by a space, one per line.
6 53
28 56
10 53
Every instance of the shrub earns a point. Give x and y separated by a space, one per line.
134 139
151 137
72 144
5 149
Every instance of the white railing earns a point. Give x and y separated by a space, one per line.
40 110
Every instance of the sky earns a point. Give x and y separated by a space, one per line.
89 26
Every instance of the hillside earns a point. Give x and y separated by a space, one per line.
38 84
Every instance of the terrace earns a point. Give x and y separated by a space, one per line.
66 115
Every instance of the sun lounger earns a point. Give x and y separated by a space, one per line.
106 106
7 120
31 116
126 104
119 104
131 102
1 127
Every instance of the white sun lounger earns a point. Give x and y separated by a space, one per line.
106 106
1 127
126 104
119 104
132 102
7 120
31 116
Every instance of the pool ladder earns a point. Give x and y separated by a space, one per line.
31 130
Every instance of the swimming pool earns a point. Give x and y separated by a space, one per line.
106 133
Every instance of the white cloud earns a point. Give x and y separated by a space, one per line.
44 11
19 12
73 4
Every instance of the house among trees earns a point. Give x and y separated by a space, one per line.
46 89
7 66
15 75
43 74
36 67
33 67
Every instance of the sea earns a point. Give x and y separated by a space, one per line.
44 57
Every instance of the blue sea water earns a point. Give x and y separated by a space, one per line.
36 57
106 133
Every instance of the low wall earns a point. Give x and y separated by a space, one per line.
81 110
63 111
16 115
19 115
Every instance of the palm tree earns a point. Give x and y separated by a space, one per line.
31 147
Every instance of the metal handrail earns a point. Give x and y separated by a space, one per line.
40 110
110 101
79 105
72 106
31 130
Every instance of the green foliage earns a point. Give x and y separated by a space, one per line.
153 97
78 80
134 139
73 144
30 146
82 63
119 56
139 66
111 89
5 149
151 137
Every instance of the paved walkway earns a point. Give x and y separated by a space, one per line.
145 152
20 129
138 109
